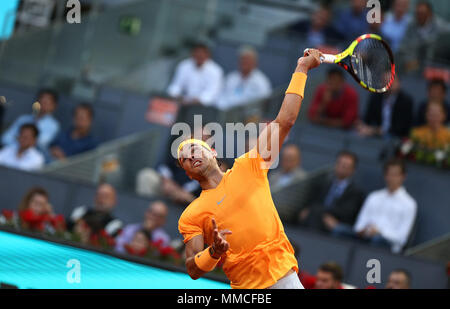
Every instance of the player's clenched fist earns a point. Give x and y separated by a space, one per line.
310 59
219 245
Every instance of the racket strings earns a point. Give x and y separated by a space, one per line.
372 63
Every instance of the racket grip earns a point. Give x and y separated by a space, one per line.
327 58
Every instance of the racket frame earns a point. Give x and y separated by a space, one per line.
339 60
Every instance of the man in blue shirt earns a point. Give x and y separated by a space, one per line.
78 138
44 120
352 22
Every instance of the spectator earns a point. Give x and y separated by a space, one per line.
336 200
335 103
396 23
387 215
197 80
437 92
36 213
139 244
434 135
290 169
389 114
24 155
351 22
89 230
101 214
78 138
154 220
246 85
329 276
47 125
419 37
318 31
399 279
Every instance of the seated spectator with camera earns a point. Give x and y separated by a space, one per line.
44 120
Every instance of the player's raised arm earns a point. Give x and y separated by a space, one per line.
279 128
199 261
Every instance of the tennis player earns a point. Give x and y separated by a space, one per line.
235 215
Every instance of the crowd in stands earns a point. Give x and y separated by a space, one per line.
35 139
337 205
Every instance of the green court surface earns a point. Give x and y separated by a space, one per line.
33 263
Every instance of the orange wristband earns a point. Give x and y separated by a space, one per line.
205 261
297 84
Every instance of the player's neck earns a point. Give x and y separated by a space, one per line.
211 179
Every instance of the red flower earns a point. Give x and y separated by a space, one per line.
132 251
34 221
169 251
8 214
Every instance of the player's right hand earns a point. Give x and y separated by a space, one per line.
220 245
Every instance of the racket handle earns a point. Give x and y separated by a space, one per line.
327 58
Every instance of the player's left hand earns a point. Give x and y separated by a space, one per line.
220 245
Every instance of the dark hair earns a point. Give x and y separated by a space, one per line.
427 4
437 82
346 153
335 71
50 92
30 126
146 233
29 195
395 162
334 268
85 106
405 272
201 45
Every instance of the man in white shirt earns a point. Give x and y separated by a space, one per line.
387 216
247 84
23 155
198 79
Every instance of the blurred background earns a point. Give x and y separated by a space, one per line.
86 110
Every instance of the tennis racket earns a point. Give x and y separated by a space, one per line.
369 60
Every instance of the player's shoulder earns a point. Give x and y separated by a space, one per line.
192 211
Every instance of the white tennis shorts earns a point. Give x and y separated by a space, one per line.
289 282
